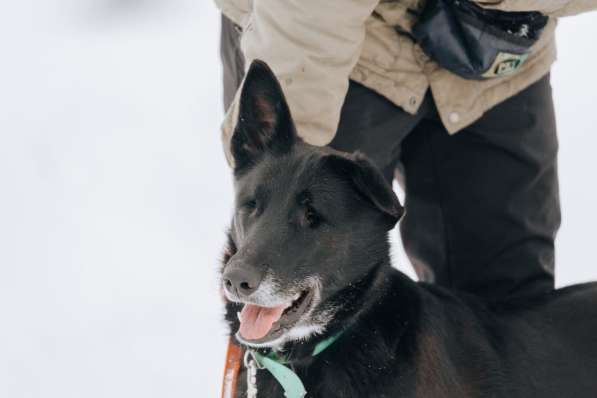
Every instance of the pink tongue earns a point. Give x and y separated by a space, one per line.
256 322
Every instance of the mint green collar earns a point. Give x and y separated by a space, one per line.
290 382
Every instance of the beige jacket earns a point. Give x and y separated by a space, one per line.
315 46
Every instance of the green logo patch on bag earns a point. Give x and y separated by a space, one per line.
505 64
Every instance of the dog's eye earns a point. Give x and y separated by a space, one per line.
313 218
250 205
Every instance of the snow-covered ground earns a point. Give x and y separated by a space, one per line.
114 194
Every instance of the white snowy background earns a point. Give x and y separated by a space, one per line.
114 194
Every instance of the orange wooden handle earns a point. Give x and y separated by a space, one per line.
234 357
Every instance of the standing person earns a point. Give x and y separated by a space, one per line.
477 158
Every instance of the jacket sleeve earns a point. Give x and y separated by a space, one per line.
556 8
312 46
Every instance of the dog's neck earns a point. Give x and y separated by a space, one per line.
363 302
367 347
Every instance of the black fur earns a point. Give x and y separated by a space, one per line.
304 211
264 119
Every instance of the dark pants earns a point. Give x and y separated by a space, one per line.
482 206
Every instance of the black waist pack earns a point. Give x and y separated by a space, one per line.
476 43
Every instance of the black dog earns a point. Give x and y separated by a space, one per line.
308 260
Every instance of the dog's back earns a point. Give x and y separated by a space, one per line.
552 345
545 346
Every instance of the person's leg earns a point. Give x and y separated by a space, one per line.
374 126
482 206
233 63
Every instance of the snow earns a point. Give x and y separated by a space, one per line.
115 194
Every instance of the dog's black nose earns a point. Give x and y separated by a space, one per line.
241 281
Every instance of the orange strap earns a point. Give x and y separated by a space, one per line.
234 356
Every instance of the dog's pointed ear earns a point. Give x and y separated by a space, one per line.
264 121
369 183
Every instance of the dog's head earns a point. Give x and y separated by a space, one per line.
309 222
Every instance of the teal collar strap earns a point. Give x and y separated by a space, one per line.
290 382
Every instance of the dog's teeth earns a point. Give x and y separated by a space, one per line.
238 316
